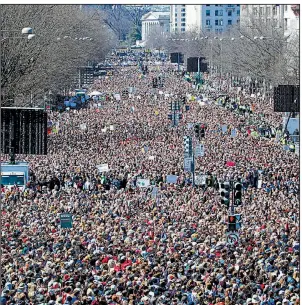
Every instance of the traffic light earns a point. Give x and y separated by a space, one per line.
188 147
154 82
225 193
202 132
231 223
197 130
237 194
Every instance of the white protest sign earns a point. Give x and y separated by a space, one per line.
111 127
117 96
200 179
143 182
103 168
160 92
83 126
172 179
259 184
151 157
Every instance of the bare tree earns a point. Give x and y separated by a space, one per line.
52 59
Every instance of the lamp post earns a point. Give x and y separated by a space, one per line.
29 32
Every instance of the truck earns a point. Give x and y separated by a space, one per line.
14 174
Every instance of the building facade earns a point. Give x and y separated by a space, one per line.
282 16
206 18
155 21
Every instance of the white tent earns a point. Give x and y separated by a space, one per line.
95 93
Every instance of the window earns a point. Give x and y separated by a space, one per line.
274 10
183 10
221 13
285 24
208 13
183 19
183 5
238 20
230 5
229 13
238 12
183 24
285 8
220 22
216 13
229 22
182 29
255 11
261 11
216 5
208 5
268 11
208 22
183 14
216 22
175 24
216 31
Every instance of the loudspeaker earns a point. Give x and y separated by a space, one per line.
287 98
192 64
174 58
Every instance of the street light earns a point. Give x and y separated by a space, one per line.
25 31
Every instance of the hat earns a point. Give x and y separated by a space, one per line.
255 299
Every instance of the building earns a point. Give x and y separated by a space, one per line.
283 16
207 18
155 21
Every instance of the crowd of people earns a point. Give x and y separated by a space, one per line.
129 246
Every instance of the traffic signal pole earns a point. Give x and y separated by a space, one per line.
178 62
232 207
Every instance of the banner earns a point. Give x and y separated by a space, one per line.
233 133
143 182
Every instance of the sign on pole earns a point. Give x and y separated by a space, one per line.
66 220
199 150
188 164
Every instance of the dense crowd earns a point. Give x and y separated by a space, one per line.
130 247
